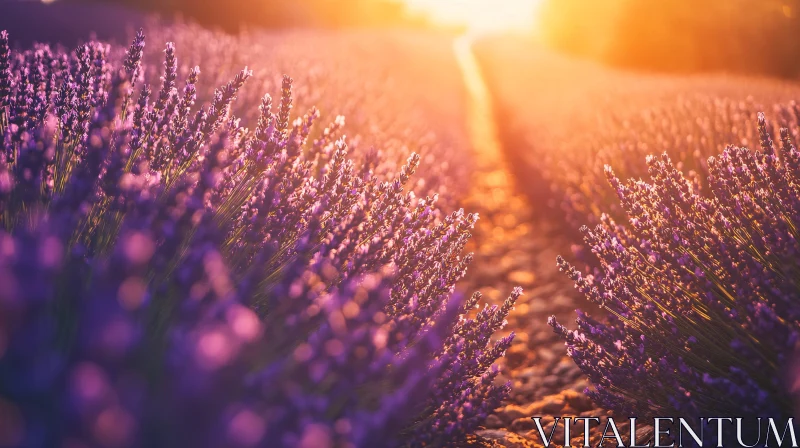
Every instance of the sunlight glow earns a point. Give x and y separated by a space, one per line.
480 15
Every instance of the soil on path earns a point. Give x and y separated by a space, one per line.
514 248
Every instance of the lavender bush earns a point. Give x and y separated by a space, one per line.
701 287
572 119
173 278
380 80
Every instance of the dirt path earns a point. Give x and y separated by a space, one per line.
513 248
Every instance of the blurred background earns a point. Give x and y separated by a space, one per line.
232 15
741 36
738 36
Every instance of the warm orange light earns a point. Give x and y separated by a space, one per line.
480 15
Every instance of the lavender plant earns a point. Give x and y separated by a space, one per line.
700 287
380 80
170 277
578 116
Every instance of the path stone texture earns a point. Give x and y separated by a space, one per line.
513 248
515 245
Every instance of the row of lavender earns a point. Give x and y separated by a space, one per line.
379 80
695 267
171 277
579 110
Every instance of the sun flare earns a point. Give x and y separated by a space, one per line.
480 15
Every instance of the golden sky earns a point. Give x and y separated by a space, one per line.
480 15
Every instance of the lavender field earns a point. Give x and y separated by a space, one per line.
682 189
283 280
379 237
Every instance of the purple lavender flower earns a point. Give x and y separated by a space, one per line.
700 288
170 277
5 74
133 59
